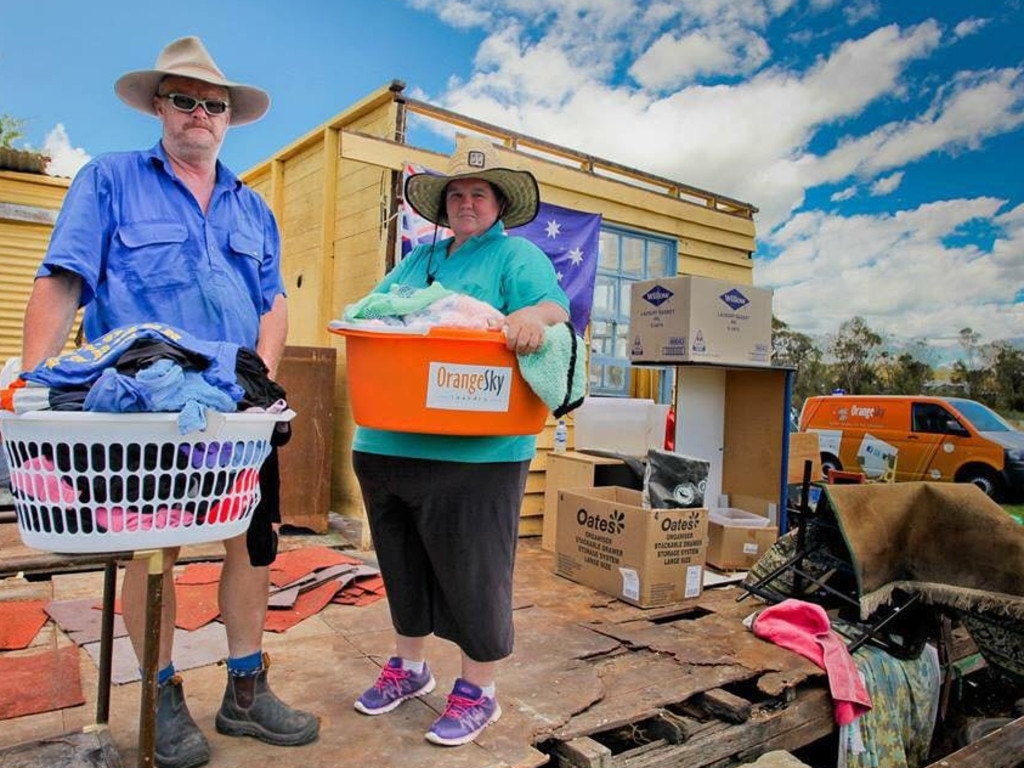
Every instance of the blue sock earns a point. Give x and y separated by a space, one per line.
165 674
245 665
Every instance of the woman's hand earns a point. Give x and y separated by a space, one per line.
524 328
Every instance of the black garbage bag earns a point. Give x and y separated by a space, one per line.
674 481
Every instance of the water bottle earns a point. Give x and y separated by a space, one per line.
561 437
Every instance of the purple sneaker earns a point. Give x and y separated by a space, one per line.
394 685
467 714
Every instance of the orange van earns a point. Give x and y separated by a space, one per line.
920 438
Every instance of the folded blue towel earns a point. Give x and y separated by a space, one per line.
163 380
114 392
171 388
557 371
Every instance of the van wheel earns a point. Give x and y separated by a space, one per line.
984 478
830 462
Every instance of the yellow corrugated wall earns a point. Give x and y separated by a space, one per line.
28 207
21 247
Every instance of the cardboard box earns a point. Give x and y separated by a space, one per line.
573 469
803 447
737 539
647 557
700 320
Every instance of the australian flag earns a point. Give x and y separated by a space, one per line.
415 229
570 238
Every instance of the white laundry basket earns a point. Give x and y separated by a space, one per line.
107 482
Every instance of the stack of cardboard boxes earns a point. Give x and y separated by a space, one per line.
605 537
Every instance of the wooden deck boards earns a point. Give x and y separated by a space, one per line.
590 676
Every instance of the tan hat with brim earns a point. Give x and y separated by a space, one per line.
186 57
475 158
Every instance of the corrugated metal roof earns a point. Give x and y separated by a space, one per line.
22 160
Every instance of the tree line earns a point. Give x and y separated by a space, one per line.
11 129
856 359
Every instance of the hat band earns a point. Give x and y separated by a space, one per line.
198 72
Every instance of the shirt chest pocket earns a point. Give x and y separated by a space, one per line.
243 244
154 257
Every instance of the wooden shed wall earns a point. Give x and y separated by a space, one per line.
28 208
332 192
330 212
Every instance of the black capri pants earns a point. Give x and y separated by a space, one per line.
445 534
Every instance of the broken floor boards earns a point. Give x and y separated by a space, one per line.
76 750
631 688
1002 748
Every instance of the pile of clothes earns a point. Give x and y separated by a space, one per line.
80 486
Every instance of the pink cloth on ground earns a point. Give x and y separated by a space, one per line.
38 479
805 628
119 519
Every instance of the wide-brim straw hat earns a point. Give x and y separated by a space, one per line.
187 57
475 158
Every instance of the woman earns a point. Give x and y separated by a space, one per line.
444 510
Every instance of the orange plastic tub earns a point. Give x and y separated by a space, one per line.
448 381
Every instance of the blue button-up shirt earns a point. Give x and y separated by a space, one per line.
146 251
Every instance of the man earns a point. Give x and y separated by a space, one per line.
171 235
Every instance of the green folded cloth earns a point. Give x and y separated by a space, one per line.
400 300
557 371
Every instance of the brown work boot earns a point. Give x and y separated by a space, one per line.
179 742
250 708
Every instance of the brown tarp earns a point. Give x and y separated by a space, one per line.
948 542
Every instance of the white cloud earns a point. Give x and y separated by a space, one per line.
457 13
893 270
974 107
65 160
673 61
969 27
710 103
887 184
860 11
746 140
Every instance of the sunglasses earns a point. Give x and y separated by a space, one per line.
184 103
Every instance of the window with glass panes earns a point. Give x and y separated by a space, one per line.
624 258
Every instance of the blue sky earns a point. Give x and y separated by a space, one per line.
882 140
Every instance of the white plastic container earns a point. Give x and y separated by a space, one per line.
625 425
106 482
738 518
